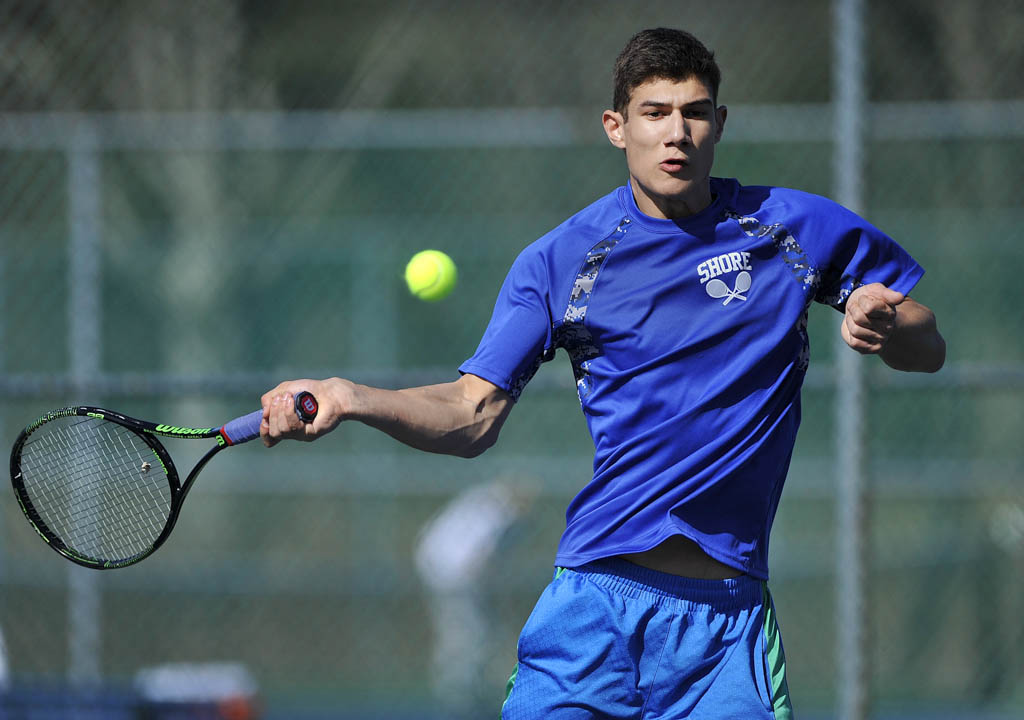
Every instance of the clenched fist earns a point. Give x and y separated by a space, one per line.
870 319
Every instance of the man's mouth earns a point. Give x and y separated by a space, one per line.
672 165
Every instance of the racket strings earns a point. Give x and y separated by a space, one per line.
97 486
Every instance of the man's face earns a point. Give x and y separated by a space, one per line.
669 133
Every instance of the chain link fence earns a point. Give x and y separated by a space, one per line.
199 199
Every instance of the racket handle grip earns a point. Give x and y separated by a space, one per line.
242 429
246 428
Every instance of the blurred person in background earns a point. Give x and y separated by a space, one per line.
681 300
455 551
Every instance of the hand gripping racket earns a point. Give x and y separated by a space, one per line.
100 488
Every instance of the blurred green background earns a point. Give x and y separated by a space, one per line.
199 199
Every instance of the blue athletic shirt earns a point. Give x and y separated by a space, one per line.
688 341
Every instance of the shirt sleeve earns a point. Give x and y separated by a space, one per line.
850 252
518 337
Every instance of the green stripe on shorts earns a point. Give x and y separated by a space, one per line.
508 687
515 671
781 703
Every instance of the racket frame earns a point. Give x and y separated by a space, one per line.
148 433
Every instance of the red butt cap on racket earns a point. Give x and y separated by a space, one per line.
247 427
306 406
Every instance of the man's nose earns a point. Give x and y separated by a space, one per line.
678 130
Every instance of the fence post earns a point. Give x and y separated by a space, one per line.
850 108
85 320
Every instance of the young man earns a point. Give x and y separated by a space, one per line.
681 300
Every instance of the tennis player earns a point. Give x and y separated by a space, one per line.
681 300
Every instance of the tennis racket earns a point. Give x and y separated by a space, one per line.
101 489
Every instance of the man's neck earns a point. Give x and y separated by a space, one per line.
675 207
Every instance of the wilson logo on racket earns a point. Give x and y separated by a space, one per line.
308 404
175 430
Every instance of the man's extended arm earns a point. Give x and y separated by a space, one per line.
901 331
460 418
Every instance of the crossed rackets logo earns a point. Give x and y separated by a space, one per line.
718 289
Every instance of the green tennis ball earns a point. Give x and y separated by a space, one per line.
430 275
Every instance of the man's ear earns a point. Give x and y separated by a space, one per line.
720 113
613 123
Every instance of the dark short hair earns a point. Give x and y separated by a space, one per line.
663 53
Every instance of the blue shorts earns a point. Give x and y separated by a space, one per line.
614 640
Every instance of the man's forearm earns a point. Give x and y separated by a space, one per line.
450 419
915 344
460 418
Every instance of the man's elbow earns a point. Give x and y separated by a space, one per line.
937 358
933 356
471 451
929 359
477 446
489 407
